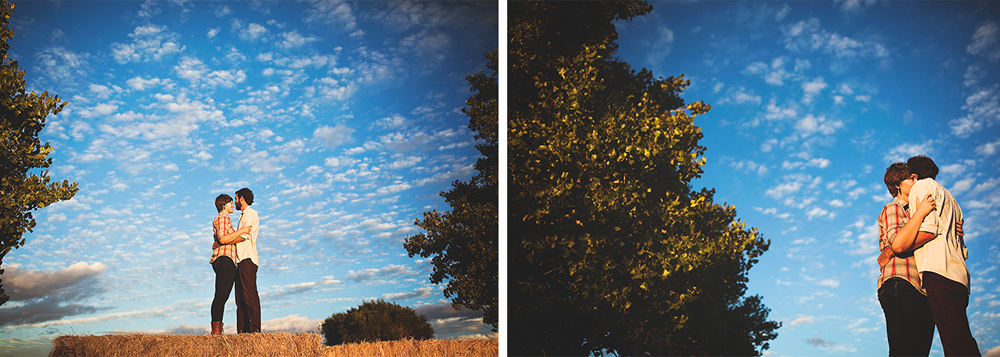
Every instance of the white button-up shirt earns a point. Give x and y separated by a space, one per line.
946 253
247 249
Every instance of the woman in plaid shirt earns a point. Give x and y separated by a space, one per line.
908 322
224 258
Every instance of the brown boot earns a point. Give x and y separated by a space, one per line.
216 327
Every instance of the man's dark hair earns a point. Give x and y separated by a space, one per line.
894 174
246 194
923 166
221 201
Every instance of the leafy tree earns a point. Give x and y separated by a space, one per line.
609 247
375 321
22 117
464 241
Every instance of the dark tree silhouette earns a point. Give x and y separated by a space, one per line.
464 241
375 321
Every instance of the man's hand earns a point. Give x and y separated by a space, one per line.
215 245
958 229
886 255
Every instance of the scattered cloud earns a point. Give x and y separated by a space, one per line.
332 137
802 320
149 43
982 110
986 42
809 35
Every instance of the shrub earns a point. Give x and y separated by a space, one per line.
376 321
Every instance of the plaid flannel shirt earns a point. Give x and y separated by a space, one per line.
893 217
222 226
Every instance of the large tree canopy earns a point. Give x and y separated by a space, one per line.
464 241
609 247
22 117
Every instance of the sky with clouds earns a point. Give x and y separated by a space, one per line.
344 118
811 101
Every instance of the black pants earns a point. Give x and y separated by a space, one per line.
948 300
225 276
908 320
247 300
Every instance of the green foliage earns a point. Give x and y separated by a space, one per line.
375 321
22 117
609 247
464 241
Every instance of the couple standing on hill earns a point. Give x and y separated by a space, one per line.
924 280
234 259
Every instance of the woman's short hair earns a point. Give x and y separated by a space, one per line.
894 174
221 201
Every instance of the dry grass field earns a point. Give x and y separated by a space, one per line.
263 344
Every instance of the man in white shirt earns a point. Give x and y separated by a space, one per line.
247 299
941 261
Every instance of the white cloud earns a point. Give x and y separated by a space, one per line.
62 65
784 189
807 36
768 145
138 83
812 89
773 74
333 137
811 125
818 212
833 283
986 42
223 11
195 71
333 12
905 151
392 121
775 112
252 33
961 186
854 6
741 96
973 74
416 294
982 110
291 324
988 149
149 43
802 320
660 48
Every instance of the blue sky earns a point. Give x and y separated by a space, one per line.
343 118
811 101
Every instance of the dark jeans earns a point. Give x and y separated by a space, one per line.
948 300
247 300
225 276
908 321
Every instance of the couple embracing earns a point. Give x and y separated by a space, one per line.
924 280
234 259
